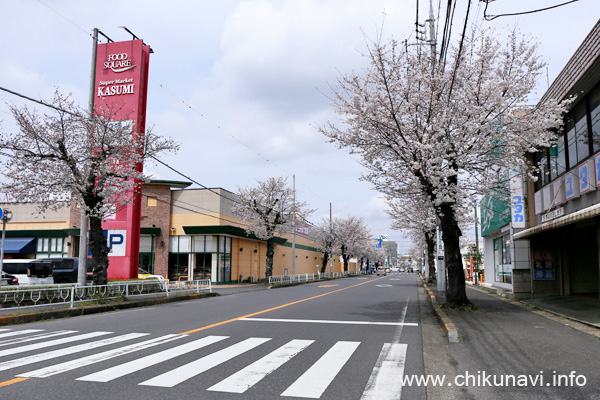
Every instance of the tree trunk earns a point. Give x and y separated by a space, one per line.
269 261
456 295
99 252
345 257
431 253
325 260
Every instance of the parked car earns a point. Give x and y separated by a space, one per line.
8 279
65 269
143 274
381 271
30 271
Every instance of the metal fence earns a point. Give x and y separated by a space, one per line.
24 297
289 279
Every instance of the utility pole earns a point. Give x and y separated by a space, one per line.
83 228
294 227
331 237
432 38
6 216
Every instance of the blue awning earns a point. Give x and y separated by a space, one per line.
19 245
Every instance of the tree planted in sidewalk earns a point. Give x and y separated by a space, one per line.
268 209
67 156
324 239
447 131
351 237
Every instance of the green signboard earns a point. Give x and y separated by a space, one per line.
495 214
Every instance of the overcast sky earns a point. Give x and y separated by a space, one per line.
243 85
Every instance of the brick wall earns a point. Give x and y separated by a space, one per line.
158 216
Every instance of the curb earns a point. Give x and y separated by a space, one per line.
95 309
443 318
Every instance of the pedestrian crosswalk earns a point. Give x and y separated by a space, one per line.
34 353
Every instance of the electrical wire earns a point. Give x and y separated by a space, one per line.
488 17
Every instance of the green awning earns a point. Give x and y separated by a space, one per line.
226 230
39 233
150 231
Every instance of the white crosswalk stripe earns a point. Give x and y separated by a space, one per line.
317 378
252 374
50 343
385 381
13 341
69 350
17 333
187 371
148 361
95 358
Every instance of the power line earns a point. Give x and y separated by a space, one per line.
489 17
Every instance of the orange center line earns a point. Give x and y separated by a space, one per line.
274 308
16 380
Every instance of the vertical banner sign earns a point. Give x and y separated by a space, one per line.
517 206
122 84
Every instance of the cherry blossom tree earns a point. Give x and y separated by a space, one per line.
446 131
267 209
416 217
66 156
323 239
350 235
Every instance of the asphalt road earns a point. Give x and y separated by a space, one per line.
350 338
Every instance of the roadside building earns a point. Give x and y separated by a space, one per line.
185 234
550 243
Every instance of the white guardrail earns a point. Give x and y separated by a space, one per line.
25 297
290 279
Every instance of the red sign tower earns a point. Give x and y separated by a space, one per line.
122 83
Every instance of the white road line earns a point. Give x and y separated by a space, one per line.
17 333
51 343
69 350
34 337
82 362
385 382
187 371
322 321
252 374
148 361
317 378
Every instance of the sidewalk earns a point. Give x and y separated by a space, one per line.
583 314
577 309
506 339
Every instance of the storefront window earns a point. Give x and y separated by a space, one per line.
502 260
581 132
146 265
595 118
209 255
51 247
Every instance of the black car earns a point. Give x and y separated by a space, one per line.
409 269
9 279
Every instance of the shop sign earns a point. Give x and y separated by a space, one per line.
559 212
518 207
543 265
587 180
121 85
571 186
